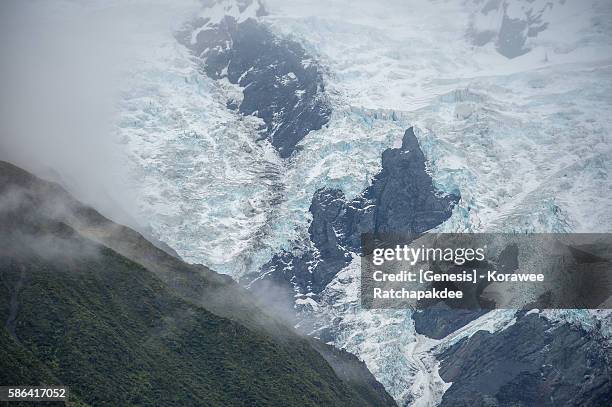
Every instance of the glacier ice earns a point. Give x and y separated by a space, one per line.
526 141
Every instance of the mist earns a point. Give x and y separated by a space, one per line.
63 65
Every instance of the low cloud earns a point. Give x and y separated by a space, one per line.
62 66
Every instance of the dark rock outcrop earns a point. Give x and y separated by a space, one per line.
400 200
515 29
440 320
281 83
534 362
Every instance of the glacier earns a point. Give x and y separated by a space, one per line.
514 119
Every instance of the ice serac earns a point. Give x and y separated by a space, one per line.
280 83
530 366
400 199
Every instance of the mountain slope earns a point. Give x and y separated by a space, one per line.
117 332
510 103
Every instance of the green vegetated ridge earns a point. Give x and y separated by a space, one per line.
94 305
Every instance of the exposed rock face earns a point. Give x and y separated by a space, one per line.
525 21
401 199
439 321
531 363
281 83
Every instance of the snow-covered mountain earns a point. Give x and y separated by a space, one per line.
491 127
236 114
